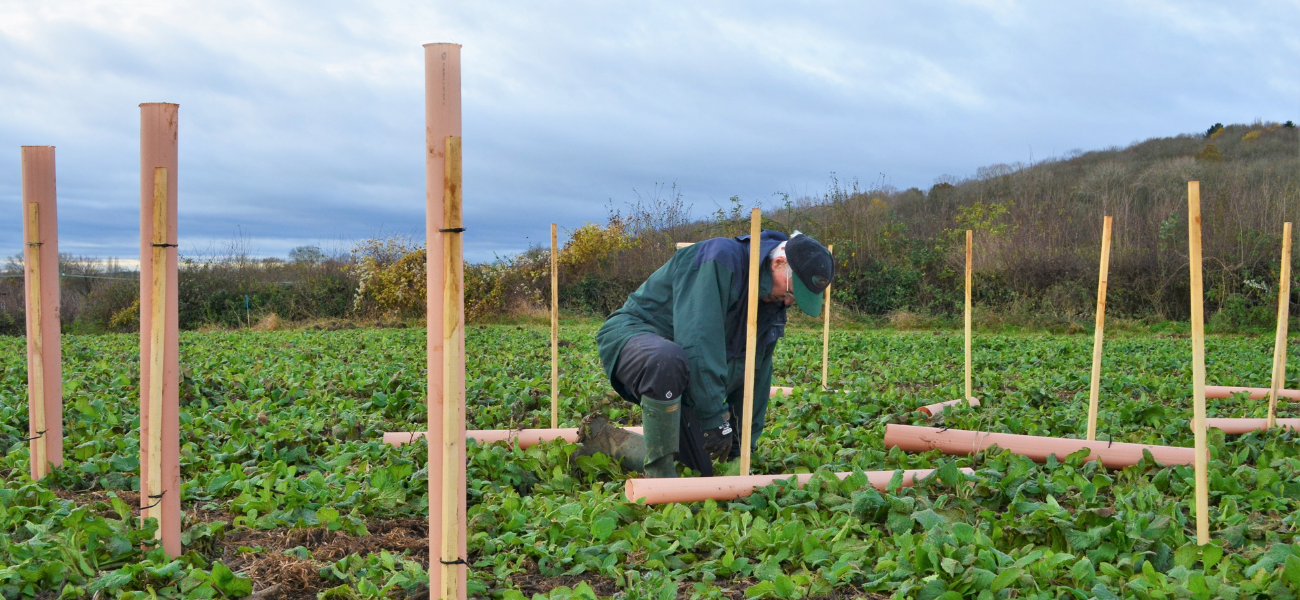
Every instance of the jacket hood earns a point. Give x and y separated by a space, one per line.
768 240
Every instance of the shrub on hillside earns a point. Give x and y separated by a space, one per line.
236 292
515 285
390 274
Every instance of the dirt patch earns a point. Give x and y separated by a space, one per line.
277 575
534 583
195 513
90 497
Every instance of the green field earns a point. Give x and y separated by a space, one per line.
286 481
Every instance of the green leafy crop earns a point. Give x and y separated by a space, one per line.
282 466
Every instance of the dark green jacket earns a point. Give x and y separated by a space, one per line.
698 300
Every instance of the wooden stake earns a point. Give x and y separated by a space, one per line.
969 236
1283 318
453 376
751 338
157 340
1094 386
555 329
826 328
36 398
1198 362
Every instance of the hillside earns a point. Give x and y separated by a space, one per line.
1037 234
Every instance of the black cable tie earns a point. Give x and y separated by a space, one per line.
452 230
945 428
159 497
459 561
34 243
164 245
39 435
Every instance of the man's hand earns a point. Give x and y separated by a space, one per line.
717 442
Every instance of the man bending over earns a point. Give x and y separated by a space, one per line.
677 348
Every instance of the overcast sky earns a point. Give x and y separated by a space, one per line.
302 122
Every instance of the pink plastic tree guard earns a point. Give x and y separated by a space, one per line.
521 437
933 410
442 118
1247 425
1256 393
959 442
158 131
697 489
525 437
39 188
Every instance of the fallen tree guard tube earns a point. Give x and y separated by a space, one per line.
931 410
529 437
522 437
1256 393
1240 426
698 489
959 442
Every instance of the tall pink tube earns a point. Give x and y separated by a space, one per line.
442 119
158 148
39 188
958 442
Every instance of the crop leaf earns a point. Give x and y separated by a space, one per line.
229 584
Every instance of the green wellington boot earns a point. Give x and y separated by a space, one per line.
597 434
661 420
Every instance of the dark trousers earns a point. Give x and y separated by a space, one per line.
652 366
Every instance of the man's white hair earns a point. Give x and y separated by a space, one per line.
779 250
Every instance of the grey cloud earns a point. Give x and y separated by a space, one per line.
303 121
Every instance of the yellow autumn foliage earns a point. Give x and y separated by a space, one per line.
391 274
592 242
